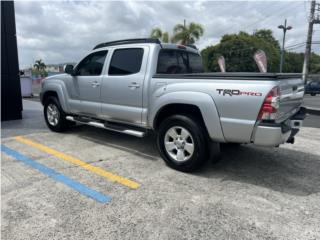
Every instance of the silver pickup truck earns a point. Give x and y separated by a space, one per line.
137 86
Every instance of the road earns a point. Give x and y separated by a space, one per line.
251 193
312 101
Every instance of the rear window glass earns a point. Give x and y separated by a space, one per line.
178 61
126 61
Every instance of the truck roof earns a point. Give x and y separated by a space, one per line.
190 48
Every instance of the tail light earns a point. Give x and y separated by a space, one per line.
270 105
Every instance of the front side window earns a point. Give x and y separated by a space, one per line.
92 64
126 61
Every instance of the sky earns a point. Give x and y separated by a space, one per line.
65 31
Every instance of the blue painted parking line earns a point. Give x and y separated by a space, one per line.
57 176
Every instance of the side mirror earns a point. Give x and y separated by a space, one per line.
68 69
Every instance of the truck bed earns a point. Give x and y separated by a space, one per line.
238 114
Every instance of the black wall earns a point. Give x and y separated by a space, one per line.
11 101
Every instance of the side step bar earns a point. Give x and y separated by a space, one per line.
108 127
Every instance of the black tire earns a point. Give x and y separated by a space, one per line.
62 123
313 94
198 137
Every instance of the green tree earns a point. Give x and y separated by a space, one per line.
267 35
187 34
293 62
159 34
40 68
315 63
238 51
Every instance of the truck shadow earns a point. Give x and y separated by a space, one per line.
279 169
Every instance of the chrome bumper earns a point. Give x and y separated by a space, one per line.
272 134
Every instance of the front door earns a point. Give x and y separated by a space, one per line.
87 81
122 88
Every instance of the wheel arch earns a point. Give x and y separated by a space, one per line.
200 105
57 91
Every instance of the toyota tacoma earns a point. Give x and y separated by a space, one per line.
137 86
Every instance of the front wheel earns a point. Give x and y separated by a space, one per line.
182 143
54 115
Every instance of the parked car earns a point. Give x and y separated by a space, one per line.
313 88
141 85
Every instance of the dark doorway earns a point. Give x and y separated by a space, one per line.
11 102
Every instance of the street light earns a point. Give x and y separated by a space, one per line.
284 28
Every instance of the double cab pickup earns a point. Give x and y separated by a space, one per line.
138 86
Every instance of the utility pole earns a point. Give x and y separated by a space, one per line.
284 28
184 23
312 20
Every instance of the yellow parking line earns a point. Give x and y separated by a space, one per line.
99 171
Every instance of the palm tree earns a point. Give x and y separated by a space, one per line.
40 67
187 34
159 34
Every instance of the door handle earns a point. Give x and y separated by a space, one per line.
95 84
134 85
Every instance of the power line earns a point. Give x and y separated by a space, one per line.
264 18
283 10
301 44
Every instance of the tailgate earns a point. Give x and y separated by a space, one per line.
291 97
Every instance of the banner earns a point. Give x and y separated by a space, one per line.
261 60
222 64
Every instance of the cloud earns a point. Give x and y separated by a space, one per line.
65 31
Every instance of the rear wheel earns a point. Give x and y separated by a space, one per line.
54 115
312 94
182 143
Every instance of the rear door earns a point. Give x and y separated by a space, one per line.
122 88
291 96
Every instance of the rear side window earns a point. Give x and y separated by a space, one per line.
178 61
126 61
195 63
92 64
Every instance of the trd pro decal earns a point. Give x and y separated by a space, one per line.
231 92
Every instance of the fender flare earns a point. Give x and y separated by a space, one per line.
203 101
60 89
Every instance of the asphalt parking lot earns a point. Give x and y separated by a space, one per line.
90 183
312 102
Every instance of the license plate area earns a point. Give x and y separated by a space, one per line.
296 124
297 119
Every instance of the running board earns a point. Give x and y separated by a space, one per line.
105 126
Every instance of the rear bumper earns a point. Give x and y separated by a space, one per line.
270 136
273 134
